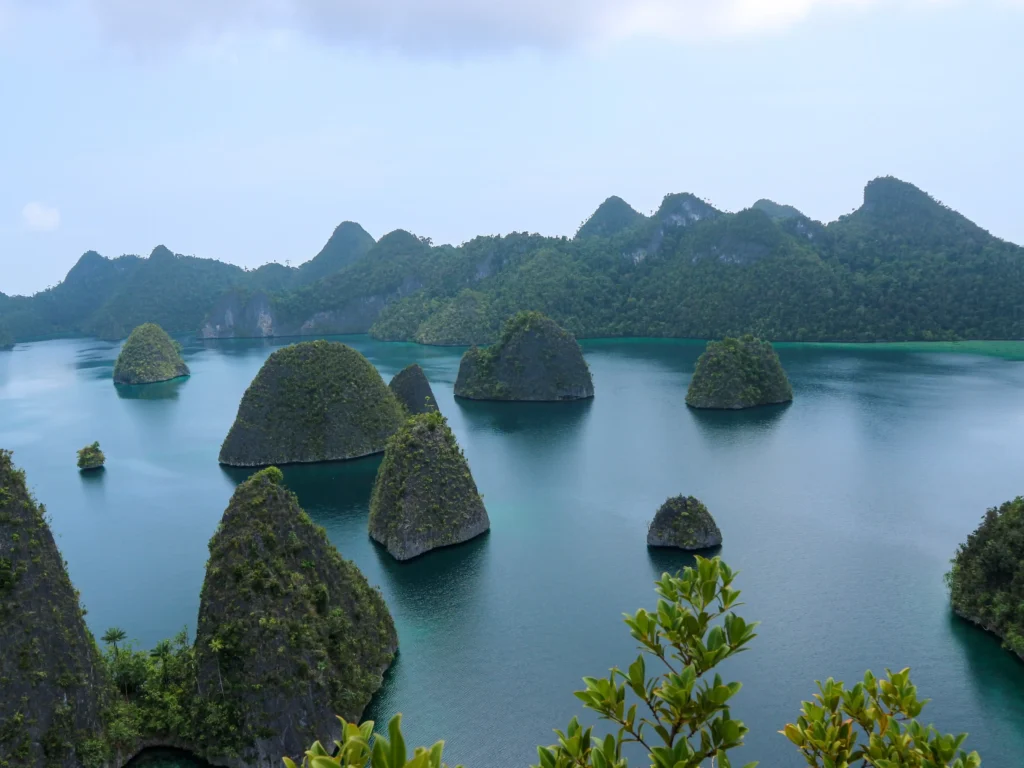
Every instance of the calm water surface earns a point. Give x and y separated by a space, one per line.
842 512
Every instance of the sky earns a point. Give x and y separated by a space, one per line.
246 130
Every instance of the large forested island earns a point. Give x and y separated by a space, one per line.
310 402
533 360
987 581
900 267
148 356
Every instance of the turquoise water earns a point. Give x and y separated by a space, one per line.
841 510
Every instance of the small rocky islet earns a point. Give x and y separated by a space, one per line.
412 389
684 522
733 374
424 496
91 458
149 355
534 360
311 402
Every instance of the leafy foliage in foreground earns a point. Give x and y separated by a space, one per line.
986 581
671 702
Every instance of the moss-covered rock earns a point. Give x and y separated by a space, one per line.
52 685
424 496
986 583
412 389
314 401
534 359
90 457
290 633
738 373
684 522
149 355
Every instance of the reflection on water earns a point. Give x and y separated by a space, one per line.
160 390
883 464
535 418
166 757
719 425
669 560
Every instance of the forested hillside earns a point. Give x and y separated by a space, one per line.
901 267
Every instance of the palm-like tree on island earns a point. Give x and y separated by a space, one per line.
161 653
113 636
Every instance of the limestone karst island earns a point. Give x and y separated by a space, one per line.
313 401
738 373
534 359
412 389
424 496
149 355
684 522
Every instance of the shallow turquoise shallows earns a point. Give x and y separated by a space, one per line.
842 512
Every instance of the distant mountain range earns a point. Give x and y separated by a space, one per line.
901 267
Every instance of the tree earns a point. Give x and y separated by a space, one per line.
162 652
113 636
217 646
681 715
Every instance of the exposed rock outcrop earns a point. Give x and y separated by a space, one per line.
534 359
290 634
240 315
685 523
313 401
412 389
53 688
738 373
424 496
149 355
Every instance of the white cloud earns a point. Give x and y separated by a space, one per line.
39 217
455 26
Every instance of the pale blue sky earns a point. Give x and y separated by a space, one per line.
245 130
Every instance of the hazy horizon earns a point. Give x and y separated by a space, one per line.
246 131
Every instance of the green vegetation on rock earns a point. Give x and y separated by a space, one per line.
986 582
53 689
684 522
673 702
613 216
534 359
424 496
412 389
290 633
149 355
902 267
738 373
313 401
91 457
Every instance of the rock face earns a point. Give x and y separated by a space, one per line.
534 359
290 634
412 389
149 355
986 582
52 685
738 373
424 496
314 401
685 523
239 315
